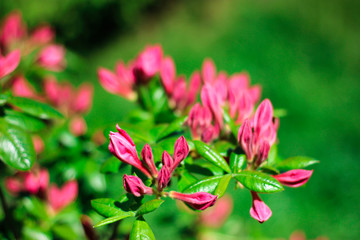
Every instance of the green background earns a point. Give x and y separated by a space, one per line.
305 54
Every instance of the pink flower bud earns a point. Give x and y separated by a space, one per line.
179 95
216 216
13 29
167 160
208 71
120 83
241 105
148 63
9 63
255 93
263 152
181 150
83 99
88 228
77 126
42 35
294 178
122 146
245 138
198 201
210 100
263 116
168 74
13 185
221 86
148 158
61 197
22 88
239 81
52 57
163 178
210 133
36 181
259 210
194 87
135 186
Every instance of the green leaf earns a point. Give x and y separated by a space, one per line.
237 162
186 179
114 219
215 158
296 162
35 207
34 108
230 122
141 230
16 147
175 126
23 121
111 165
224 147
280 112
258 182
222 186
107 207
65 231
208 185
149 207
272 155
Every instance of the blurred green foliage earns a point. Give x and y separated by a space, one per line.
306 55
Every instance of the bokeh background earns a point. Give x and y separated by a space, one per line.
305 54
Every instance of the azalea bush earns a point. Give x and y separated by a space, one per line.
188 140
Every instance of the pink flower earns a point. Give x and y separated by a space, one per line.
78 126
148 158
199 200
181 150
200 124
241 105
148 63
168 75
61 197
216 216
38 144
83 98
13 185
22 88
135 186
259 210
179 95
210 99
42 35
52 57
120 83
33 182
208 71
294 178
13 29
194 87
165 171
122 146
9 63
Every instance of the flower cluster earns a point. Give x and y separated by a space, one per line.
122 146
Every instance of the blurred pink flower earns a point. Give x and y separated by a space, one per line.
77 126
38 144
52 57
9 63
59 198
259 210
210 99
199 200
22 88
13 29
148 63
82 99
216 216
294 178
135 186
168 75
208 71
42 35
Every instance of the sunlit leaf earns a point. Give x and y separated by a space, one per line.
215 158
258 182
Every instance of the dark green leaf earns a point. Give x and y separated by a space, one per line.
269 169
16 147
296 162
24 121
114 219
224 147
208 184
111 165
175 126
34 108
149 207
141 230
215 158
258 182
237 162
186 179
107 207
222 186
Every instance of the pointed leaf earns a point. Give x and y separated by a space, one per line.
296 162
175 126
186 179
149 207
114 219
215 158
141 230
23 121
222 186
258 182
237 162
107 207
208 185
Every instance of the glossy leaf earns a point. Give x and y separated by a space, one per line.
215 158
175 126
141 230
107 207
23 121
16 147
186 179
114 219
222 186
34 108
208 185
149 207
224 147
296 162
258 182
272 155
237 162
